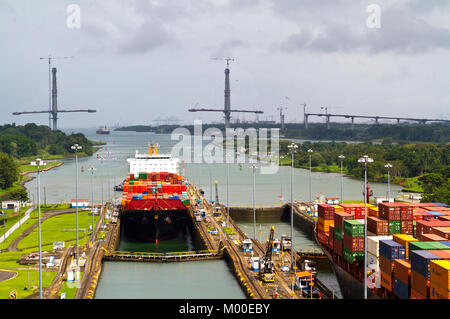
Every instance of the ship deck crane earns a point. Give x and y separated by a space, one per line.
281 108
265 262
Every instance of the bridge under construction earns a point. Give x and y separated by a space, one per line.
375 117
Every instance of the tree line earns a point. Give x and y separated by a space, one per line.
19 142
429 162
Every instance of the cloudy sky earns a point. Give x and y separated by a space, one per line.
138 61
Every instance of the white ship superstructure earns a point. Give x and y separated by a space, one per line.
152 162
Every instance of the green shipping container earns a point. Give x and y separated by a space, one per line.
353 256
353 228
421 245
395 227
414 229
338 234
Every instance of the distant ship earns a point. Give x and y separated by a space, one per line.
103 130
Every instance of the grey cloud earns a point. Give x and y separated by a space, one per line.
400 32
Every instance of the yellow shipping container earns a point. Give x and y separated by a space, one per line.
338 208
440 273
324 224
404 239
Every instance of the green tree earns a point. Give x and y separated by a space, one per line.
9 171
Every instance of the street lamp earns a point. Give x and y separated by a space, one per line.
38 163
309 152
365 159
92 169
292 148
254 167
388 166
76 148
341 157
228 177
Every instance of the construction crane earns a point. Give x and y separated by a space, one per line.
304 113
227 103
54 110
50 58
265 262
281 108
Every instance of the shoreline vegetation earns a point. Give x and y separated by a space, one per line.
20 145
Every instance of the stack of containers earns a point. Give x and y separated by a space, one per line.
353 241
426 227
391 213
440 279
402 278
373 251
153 185
404 240
421 254
355 209
339 218
325 220
389 250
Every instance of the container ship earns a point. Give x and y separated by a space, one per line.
408 247
154 202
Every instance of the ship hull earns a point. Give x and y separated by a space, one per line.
351 287
152 226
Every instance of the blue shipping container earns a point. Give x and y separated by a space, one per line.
420 261
401 289
391 250
445 242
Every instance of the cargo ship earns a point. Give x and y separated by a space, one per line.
103 130
154 202
408 249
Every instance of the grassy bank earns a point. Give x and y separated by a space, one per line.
57 228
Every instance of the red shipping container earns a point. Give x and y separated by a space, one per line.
444 254
406 214
425 227
389 211
321 236
338 247
377 226
325 211
327 240
359 214
353 243
431 237
339 218
407 227
445 218
441 231
331 242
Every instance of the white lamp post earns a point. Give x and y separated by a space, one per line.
39 163
92 169
365 159
76 148
341 157
310 195
292 148
388 166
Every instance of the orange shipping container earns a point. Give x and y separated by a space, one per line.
402 270
416 295
441 231
437 292
440 273
386 281
420 283
431 237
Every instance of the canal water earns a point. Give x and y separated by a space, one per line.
210 279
